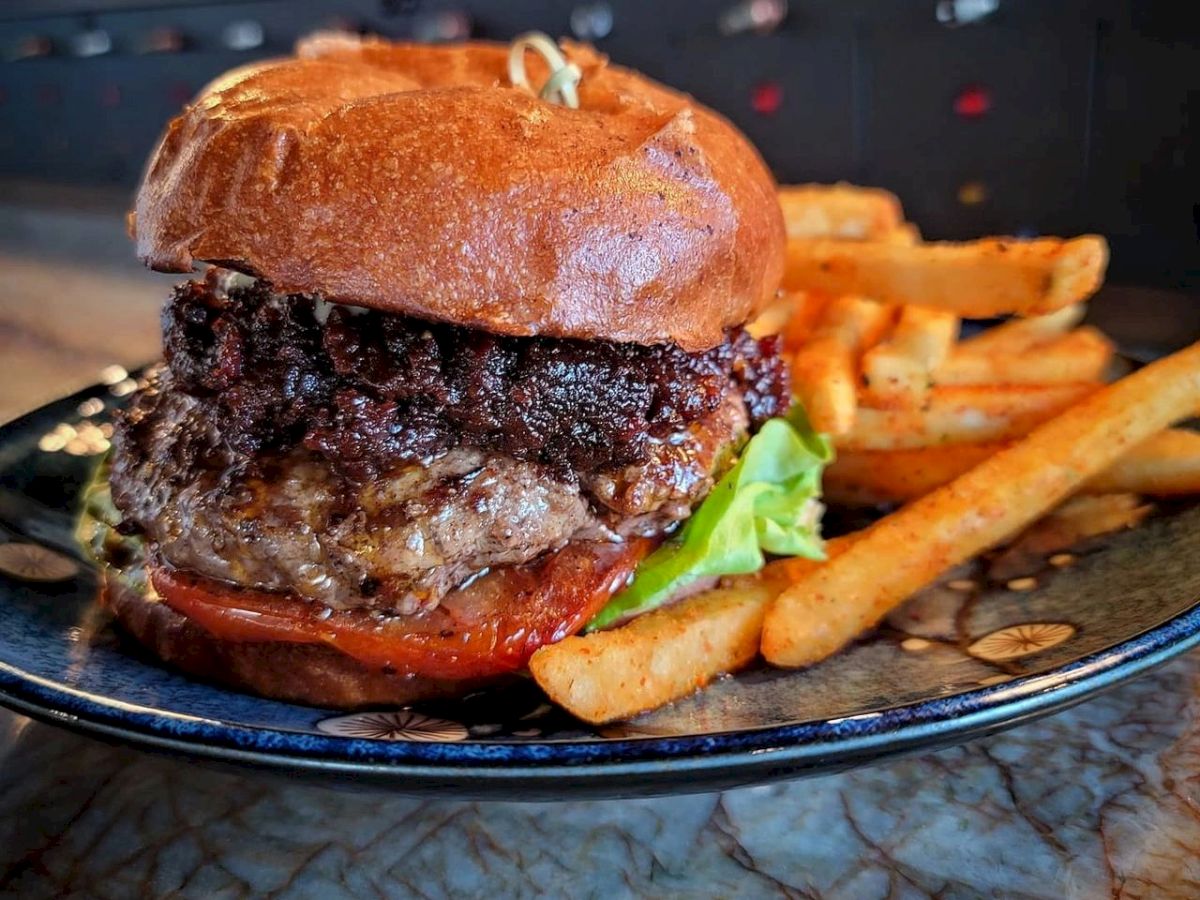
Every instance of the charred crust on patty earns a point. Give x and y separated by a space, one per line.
369 391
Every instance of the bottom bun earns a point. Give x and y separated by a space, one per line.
299 673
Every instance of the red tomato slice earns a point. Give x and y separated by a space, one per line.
490 627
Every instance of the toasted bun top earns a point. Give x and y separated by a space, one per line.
415 180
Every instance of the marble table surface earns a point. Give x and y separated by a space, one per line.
1101 800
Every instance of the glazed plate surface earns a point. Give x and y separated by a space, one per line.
965 658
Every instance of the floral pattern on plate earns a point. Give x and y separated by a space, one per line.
400 725
33 562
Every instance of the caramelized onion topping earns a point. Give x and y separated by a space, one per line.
370 391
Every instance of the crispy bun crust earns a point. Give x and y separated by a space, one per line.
414 180
298 673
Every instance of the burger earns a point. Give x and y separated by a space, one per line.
456 361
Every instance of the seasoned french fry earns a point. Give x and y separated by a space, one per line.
975 414
989 277
898 370
669 653
1018 335
774 319
1166 465
823 379
1082 355
873 477
907 550
825 369
806 312
906 233
1072 523
842 211
656 658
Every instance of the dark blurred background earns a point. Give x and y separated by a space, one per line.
985 116
1020 117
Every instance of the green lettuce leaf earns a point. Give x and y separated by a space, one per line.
766 502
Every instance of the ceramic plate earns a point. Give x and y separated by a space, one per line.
965 658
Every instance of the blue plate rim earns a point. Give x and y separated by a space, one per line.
938 719
820 744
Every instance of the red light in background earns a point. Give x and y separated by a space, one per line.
973 102
110 95
766 98
162 40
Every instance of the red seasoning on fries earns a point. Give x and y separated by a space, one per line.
990 277
1019 335
825 368
1166 465
842 211
1082 355
900 370
963 415
908 549
669 653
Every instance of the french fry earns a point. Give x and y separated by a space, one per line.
989 277
825 369
841 211
1077 520
874 477
1166 465
774 319
906 233
823 379
907 550
669 653
806 312
957 415
898 371
1019 335
1082 355
658 657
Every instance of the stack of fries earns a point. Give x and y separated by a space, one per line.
978 439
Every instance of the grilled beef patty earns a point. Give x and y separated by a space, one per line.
288 521
370 460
